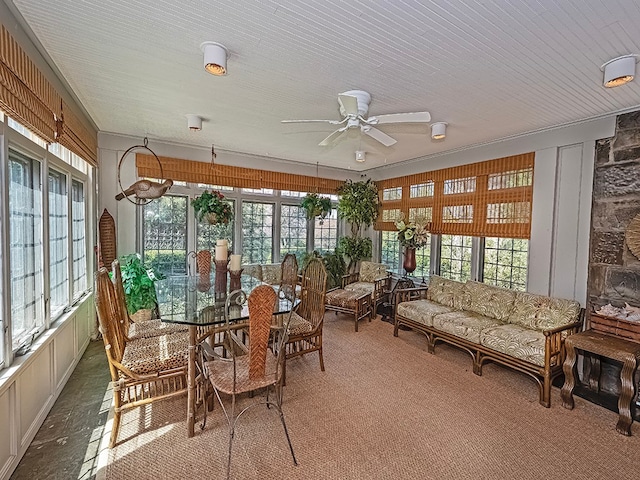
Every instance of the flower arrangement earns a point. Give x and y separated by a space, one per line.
412 234
212 207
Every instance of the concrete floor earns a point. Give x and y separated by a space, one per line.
66 445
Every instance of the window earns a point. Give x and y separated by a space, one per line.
293 231
455 257
58 243
421 190
257 232
292 194
207 234
394 193
79 241
423 261
505 262
326 233
165 234
25 245
259 191
390 251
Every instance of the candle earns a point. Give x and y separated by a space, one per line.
221 253
236 262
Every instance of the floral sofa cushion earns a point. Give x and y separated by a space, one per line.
361 287
421 311
272 273
447 292
516 341
253 270
490 301
370 272
540 312
467 325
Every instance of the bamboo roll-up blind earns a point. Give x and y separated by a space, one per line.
231 176
485 199
72 134
25 93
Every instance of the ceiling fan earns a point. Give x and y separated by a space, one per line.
354 106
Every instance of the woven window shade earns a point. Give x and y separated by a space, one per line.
485 199
230 176
72 134
25 93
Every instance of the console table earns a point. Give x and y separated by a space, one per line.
605 345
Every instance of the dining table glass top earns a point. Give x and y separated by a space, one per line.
192 300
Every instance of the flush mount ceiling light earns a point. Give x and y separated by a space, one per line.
619 71
360 156
215 58
438 130
194 122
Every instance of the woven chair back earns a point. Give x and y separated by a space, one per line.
108 314
121 299
203 262
289 276
312 295
262 302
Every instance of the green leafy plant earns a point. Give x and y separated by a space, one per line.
316 206
213 207
358 205
137 281
333 262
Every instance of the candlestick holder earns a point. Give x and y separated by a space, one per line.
234 283
221 276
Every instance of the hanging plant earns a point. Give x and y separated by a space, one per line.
316 206
213 207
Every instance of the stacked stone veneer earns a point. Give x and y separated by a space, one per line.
614 272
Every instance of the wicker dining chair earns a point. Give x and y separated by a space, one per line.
143 329
144 370
260 367
305 324
289 277
203 262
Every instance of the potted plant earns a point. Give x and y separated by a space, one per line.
316 206
212 207
358 205
138 282
412 235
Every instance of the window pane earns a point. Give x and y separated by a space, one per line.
505 262
390 251
257 232
422 190
261 191
165 235
326 233
455 257
79 241
25 245
293 231
207 234
58 242
394 193
290 193
423 260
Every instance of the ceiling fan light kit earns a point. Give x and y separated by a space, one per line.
619 71
360 156
194 122
215 58
354 108
438 130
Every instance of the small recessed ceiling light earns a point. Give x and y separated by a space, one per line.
438 130
619 71
194 122
360 156
215 58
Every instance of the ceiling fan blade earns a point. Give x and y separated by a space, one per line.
414 117
349 104
333 138
378 135
332 122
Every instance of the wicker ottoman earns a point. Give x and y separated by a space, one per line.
346 301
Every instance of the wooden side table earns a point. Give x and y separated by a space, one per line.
610 346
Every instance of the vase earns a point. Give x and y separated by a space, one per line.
409 263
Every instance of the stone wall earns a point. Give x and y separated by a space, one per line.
614 272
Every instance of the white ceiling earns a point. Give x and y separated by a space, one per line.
492 69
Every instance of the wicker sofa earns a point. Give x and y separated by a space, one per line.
270 273
520 330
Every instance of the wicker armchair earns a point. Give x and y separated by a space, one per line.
305 324
372 278
144 370
203 262
136 330
289 276
249 369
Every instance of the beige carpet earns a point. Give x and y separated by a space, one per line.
385 409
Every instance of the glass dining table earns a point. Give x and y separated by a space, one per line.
193 301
